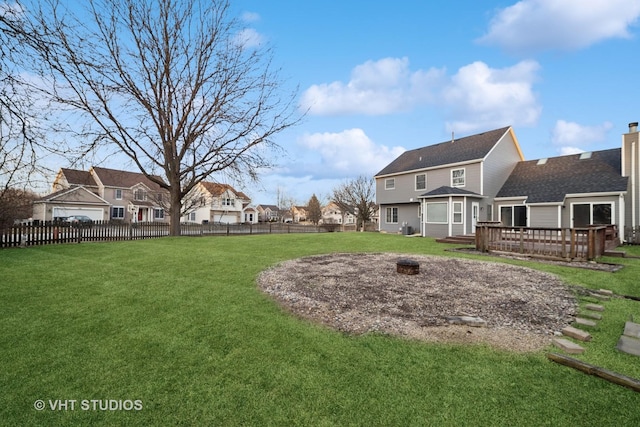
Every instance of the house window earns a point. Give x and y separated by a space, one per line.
389 183
118 194
421 182
437 213
158 213
457 178
585 214
392 215
228 202
457 212
513 216
140 195
191 216
117 212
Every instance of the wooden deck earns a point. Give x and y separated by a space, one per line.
556 243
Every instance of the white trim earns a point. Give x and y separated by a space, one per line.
559 216
613 210
453 212
389 188
426 212
603 194
509 199
438 167
415 182
464 177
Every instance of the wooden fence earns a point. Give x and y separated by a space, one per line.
55 233
556 243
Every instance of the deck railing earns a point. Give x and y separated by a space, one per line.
586 243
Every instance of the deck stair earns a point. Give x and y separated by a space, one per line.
461 239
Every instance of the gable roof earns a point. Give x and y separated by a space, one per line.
448 191
474 147
216 189
124 179
551 181
78 177
74 194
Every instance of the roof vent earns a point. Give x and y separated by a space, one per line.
586 155
542 162
633 127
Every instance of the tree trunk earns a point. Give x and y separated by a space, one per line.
175 210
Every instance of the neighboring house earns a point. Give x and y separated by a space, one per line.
299 213
490 181
445 189
332 214
217 203
268 213
103 194
250 214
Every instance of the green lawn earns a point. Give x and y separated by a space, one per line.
179 325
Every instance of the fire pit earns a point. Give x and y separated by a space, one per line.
407 266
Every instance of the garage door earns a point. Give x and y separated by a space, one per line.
95 214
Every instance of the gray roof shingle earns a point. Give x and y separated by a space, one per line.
552 181
474 147
448 191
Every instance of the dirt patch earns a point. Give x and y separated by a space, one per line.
360 293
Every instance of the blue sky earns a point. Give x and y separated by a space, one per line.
379 78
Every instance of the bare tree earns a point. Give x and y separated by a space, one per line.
171 84
20 137
357 197
314 210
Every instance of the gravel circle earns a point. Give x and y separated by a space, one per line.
362 292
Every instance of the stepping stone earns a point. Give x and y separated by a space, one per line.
590 315
568 346
629 345
605 292
599 296
632 330
467 320
594 307
576 333
585 322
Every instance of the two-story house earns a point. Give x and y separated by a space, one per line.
217 203
332 214
445 189
103 194
268 213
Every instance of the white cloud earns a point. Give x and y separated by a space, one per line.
249 38
476 97
375 88
534 25
566 151
349 153
250 17
479 97
574 136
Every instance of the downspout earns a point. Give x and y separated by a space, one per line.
450 215
633 184
621 214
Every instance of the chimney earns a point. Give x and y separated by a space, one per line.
633 127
